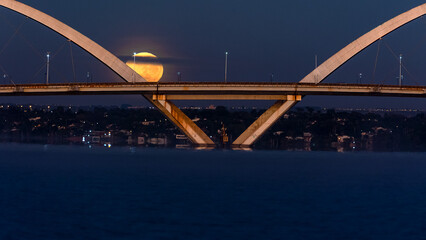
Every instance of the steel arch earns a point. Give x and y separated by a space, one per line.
348 52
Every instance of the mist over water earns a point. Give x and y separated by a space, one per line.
60 192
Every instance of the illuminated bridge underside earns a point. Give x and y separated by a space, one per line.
214 91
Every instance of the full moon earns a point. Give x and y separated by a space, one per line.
144 66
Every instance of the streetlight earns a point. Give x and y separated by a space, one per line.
89 77
226 66
134 66
47 66
5 76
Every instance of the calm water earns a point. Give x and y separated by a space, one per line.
54 192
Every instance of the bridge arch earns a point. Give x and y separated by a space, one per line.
104 56
266 120
348 52
185 124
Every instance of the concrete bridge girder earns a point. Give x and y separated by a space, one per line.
198 137
183 122
263 123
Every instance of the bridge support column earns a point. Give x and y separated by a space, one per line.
183 122
264 122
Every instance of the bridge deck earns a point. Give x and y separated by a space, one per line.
214 90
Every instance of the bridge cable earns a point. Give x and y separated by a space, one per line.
59 50
35 75
17 30
19 33
375 62
6 75
44 65
22 36
403 65
393 70
412 52
34 49
3 70
411 75
418 46
415 50
72 60
53 56
390 74
11 38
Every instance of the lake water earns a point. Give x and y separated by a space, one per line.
61 192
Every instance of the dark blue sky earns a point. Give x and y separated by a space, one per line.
279 37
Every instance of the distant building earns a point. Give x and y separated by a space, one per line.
97 138
157 141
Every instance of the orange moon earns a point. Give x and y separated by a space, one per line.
152 72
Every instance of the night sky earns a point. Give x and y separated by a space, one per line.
191 37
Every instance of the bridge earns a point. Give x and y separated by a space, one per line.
214 90
162 94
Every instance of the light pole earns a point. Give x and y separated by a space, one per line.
226 66
179 74
47 67
134 67
89 77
